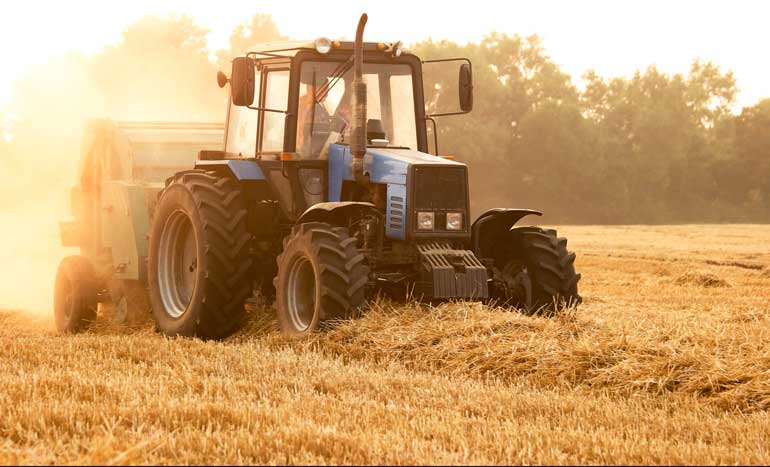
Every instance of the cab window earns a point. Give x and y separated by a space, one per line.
242 128
276 97
324 114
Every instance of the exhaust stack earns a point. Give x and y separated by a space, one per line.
358 132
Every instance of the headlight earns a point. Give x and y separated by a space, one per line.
323 45
425 220
454 221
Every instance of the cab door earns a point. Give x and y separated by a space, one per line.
297 184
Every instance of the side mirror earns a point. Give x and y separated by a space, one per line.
242 81
466 87
440 90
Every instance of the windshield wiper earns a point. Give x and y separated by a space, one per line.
335 77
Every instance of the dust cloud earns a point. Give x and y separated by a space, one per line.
168 78
29 256
39 166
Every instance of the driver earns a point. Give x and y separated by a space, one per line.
316 128
312 121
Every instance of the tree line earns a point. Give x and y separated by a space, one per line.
652 148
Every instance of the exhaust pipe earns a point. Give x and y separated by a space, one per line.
358 132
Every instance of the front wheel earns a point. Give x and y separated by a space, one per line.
535 272
321 277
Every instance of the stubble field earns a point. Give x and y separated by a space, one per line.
666 362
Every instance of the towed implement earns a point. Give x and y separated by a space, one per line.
323 195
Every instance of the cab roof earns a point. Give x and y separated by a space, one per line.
288 49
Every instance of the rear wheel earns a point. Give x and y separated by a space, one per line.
321 277
535 272
199 263
75 295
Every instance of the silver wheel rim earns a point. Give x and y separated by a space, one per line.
301 293
177 264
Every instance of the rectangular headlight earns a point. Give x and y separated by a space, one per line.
454 221
425 220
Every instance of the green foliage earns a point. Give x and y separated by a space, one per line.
648 149
161 70
261 29
749 179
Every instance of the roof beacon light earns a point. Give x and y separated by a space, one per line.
323 45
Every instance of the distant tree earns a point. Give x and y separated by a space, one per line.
160 70
753 133
260 29
513 77
752 164
663 133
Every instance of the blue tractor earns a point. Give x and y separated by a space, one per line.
325 194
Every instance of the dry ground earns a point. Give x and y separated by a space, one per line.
667 361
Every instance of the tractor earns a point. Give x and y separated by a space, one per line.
323 195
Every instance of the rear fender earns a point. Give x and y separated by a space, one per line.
488 229
338 213
241 169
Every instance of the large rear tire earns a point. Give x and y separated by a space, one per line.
535 272
200 269
322 277
75 295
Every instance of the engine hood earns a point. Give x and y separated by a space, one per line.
385 165
392 167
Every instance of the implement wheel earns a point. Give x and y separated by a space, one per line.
321 277
75 295
200 271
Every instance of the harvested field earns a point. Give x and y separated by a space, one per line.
666 362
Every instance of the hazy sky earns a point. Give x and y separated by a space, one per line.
613 37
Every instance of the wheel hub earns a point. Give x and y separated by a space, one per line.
516 285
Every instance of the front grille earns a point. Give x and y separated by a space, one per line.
441 190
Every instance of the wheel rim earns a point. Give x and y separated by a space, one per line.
301 293
177 264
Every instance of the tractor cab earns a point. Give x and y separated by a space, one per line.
291 111
296 97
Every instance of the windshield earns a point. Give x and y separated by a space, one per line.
324 113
